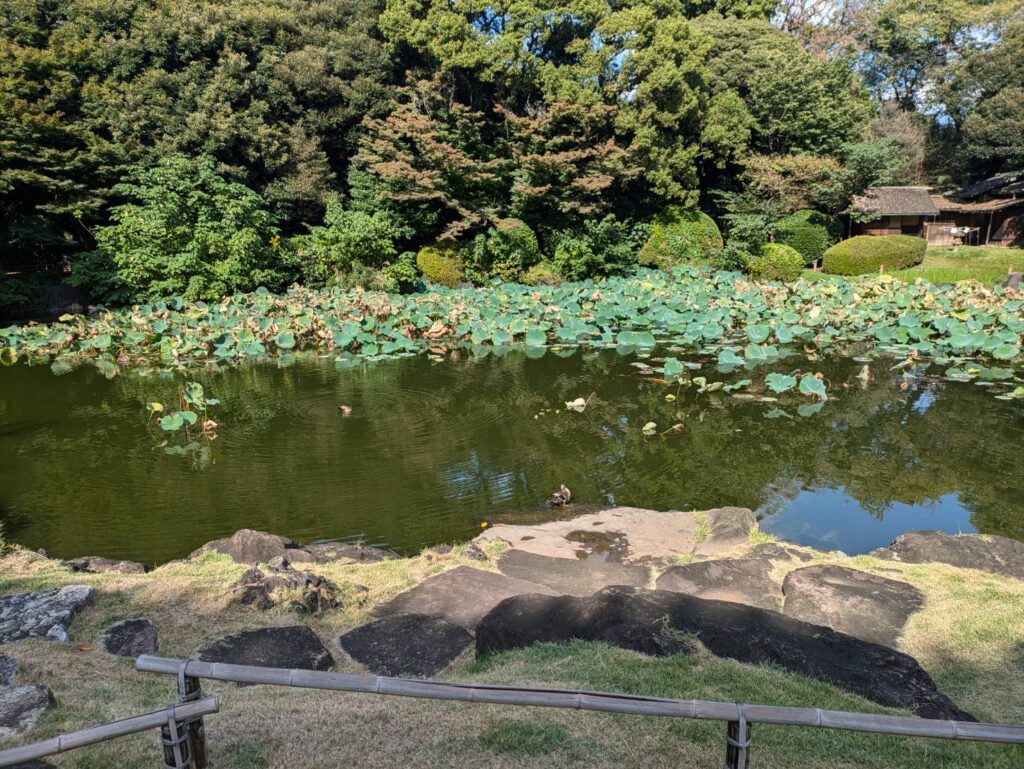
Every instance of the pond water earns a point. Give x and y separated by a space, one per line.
433 449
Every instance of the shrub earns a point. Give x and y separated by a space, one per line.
504 251
542 274
807 231
330 253
441 263
600 247
680 235
776 261
187 231
868 253
402 275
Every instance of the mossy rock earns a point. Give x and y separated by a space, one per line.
776 261
869 253
679 236
542 274
809 232
441 263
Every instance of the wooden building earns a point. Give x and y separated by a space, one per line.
892 211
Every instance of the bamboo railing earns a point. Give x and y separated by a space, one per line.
738 716
176 715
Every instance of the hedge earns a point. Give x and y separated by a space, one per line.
776 261
678 236
809 232
868 253
441 263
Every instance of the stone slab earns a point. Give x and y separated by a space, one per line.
21 707
8 670
999 555
739 580
406 645
571 576
461 596
41 614
131 638
292 646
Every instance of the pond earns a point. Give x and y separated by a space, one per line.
431 450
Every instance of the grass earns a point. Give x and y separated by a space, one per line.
967 637
951 265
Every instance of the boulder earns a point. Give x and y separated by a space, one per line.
92 564
853 602
21 707
650 621
251 546
461 596
571 576
8 670
740 580
131 638
406 645
293 646
999 555
346 553
631 534
42 614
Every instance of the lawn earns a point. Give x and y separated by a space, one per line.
948 265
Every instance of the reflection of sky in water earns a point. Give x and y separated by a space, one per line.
831 520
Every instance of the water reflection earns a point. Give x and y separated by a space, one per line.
431 450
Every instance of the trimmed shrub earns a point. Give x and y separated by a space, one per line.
441 263
542 274
867 253
808 232
680 235
776 261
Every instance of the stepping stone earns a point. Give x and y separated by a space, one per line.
633 534
746 581
571 576
780 551
8 670
131 638
461 596
863 605
999 555
650 621
292 647
43 614
21 707
92 564
406 645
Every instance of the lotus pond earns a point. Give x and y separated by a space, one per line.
433 449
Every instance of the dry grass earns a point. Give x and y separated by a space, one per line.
968 636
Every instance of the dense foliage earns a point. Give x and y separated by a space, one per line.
776 261
365 130
679 236
870 253
809 232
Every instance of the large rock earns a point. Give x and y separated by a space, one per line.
406 645
21 707
251 546
571 576
8 670
461 596
294 646
93 564
633 534
42 614
131 638
650 620
740 580
999 555
853 602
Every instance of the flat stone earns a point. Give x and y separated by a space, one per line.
650 620
406 645
461 596
8 670
999 555
781 551
854 602
346 553
571 576
292 647
131 638
631 534
93 564
21 707
42 614
250 546
739 580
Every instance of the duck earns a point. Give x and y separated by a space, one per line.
345 411
562 496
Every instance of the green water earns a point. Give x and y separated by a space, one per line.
431 450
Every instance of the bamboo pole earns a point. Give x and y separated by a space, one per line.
104 732
582 700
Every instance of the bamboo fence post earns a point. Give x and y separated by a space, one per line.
737 738
174 736
190 690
